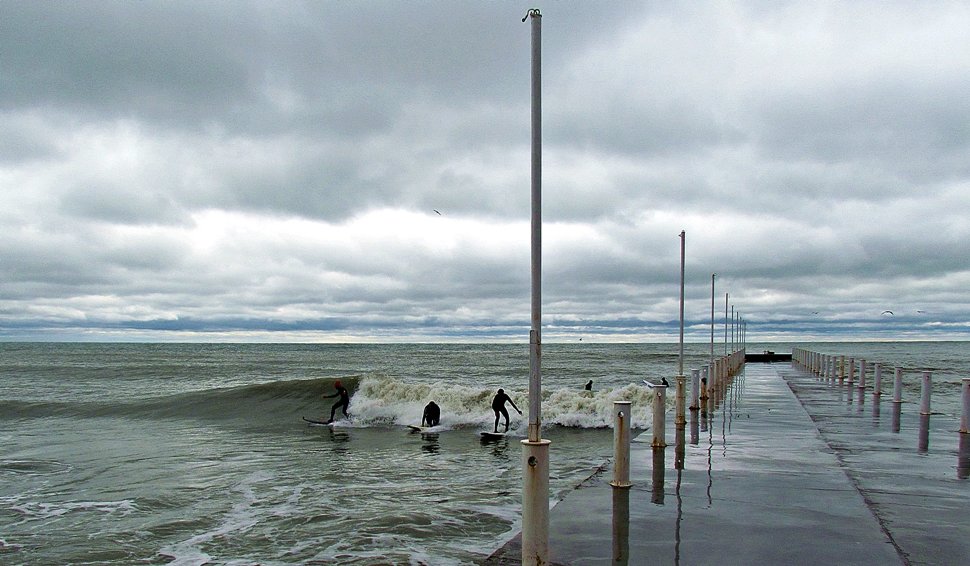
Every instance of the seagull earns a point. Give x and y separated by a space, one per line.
814 312
888 312
436 212
920 312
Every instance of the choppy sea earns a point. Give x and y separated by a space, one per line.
197 453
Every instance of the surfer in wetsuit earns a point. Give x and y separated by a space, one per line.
589 385
342 403
432 414
498 405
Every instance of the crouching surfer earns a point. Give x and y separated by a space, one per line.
432 414
342 403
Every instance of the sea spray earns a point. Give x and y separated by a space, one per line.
382 400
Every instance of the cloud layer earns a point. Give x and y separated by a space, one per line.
271 171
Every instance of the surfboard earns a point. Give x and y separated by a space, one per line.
490 434
317 422
417 428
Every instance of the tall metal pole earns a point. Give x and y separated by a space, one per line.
680 360
680 419
535 450
713 277
725 322
535 336
734 323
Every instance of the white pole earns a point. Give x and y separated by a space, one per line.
535 339
725 322
535 450
924 405
713 276
680 360
621 444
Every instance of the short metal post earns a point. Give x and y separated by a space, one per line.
924 404
659 404
841 369
862 374
965 421
621 444
877 383
680 401
851 376
535 500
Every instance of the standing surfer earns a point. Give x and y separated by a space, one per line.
498 405
342 403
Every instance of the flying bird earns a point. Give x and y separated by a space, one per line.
436 212
891 313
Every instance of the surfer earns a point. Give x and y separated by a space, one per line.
342 403
498 405
432 414
589 385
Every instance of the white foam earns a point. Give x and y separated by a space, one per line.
389 401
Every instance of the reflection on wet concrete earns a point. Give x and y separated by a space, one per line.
897 411
680 519
658 476
621 526
875 410
963 458
694 427
924 434
680 448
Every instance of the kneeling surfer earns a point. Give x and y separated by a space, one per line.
432 414
498 405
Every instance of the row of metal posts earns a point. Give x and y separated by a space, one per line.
708 384
842 370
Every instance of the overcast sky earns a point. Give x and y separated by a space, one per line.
270 171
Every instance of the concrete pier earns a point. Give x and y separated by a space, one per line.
785 473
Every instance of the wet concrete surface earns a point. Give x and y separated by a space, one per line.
787 469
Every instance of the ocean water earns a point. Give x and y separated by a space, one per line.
197 453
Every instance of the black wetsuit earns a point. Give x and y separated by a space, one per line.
432 414
341 403
498 405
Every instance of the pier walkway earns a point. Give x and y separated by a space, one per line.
773 477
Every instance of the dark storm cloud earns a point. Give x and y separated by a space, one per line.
257 169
